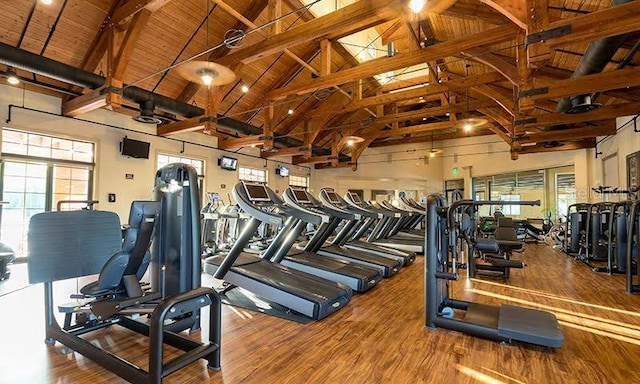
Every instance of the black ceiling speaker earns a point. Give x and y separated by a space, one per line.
146 113
582 104
552 144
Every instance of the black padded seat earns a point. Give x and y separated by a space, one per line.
134 258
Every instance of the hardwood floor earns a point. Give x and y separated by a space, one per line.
378 338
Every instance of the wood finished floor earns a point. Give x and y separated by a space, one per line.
378 338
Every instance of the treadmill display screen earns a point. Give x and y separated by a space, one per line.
257 192
301 196
333 197
355 198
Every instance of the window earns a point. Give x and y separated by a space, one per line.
38 172
168 159
510 210
252 174
565 192
299 181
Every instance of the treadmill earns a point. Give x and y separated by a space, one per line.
301 199
382 229
350 234
304 293
411 228
358 277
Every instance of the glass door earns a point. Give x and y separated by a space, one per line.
29 188
24 193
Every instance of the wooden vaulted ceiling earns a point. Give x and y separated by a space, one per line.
507 61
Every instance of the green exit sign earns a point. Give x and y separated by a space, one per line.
455 171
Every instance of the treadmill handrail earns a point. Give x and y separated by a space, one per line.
289 198
344 205
352 203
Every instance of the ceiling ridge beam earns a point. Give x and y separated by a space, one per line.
345 21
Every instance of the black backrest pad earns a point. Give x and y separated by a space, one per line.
143 218
64 245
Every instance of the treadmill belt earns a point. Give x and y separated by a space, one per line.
244 299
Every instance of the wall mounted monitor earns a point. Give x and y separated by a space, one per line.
282 171
228 163
134 148
333 197
301 196
256 192
355 198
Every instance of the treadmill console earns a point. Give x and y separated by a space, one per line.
355 198
301 196
256 192
333 197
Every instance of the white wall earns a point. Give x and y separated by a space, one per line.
624 143
111 166
395 168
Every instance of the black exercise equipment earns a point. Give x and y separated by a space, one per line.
348 236
491 253
175 263
73 244
301 292
503 323
575 227
633 244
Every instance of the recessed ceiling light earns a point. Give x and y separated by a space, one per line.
290 111
244 89
46 2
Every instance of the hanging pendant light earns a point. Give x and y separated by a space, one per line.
468 122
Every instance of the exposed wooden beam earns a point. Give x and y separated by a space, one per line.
538 21
98 46
612 21
241 142
582 144
401 60
290 151
415 93
129 41
85 103
515 11
345 21
428 138
188 125
389 33
602 113
499 63
568 134
605 81
498 97
296 160
275 13
414 129
131 7
325 57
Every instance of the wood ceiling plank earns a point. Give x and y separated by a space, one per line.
129 42
401 60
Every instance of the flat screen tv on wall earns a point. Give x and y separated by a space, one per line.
134 148
228 163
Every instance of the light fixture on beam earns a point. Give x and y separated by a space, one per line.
206 72
353 140
12 77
